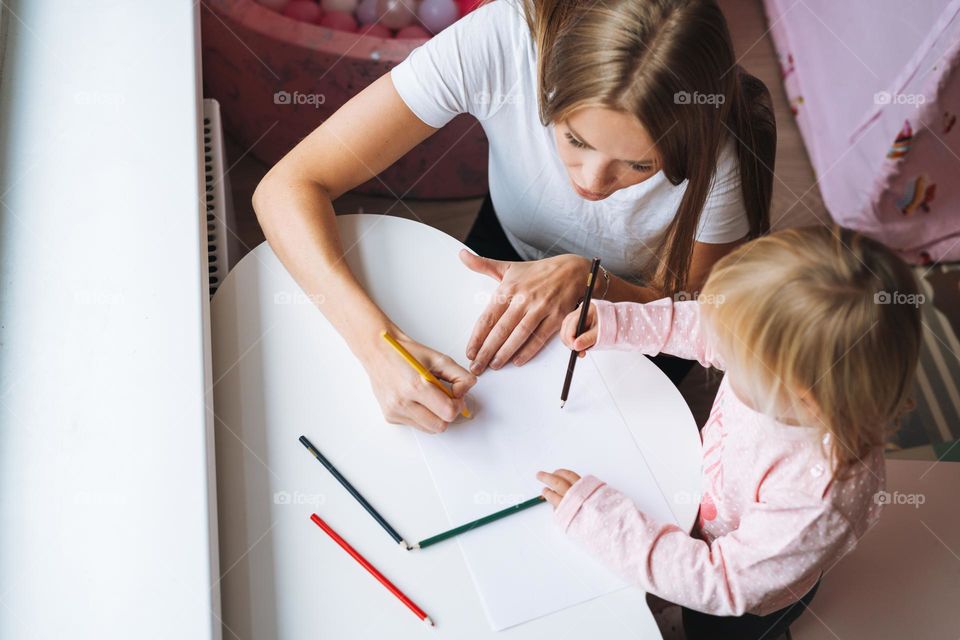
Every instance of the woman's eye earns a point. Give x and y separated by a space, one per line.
638 167
574 141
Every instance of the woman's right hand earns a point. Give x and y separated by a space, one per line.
405 397
568 330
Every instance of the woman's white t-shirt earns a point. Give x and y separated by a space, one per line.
485 65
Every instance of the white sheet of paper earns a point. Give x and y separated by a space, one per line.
523 566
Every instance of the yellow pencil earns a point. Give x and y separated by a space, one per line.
422 370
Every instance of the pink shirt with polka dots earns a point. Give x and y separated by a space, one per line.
772 519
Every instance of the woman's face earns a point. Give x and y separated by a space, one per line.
604 151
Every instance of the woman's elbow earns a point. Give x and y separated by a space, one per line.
263 195
281 190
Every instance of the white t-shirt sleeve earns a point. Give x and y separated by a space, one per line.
469 67
724 217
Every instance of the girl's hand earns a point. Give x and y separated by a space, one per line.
590 331
404 396
527 308
558 483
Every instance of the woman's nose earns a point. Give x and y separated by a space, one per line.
598 177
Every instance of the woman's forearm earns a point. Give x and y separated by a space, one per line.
293 204
621 290
298 221
704 257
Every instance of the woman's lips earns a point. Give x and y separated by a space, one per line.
588 195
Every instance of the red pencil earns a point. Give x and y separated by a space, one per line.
373 570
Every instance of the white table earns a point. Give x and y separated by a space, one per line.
107 511
281 371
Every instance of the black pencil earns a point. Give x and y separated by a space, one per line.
356 494
584 310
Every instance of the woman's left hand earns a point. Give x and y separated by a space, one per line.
558 483
527 308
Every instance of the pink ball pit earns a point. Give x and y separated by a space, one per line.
251 54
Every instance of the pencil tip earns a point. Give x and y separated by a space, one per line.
404 544
411 547
428 621
562 402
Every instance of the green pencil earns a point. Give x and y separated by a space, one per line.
440 537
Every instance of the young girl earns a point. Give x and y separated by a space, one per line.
616 128
818 331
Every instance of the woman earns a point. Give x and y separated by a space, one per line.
617 128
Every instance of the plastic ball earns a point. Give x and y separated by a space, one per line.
347 6
375 30
275 5
413 32
367 12
437 15
339 20
395 14
304 10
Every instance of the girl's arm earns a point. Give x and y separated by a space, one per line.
662 326
769 561
293 205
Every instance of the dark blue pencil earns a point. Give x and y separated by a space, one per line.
356 494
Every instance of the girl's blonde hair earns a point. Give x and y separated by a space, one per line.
820 320
670 63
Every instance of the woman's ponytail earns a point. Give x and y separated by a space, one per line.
755 128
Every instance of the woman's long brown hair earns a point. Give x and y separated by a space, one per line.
671 64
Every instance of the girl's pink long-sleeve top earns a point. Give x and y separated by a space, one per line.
772 517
